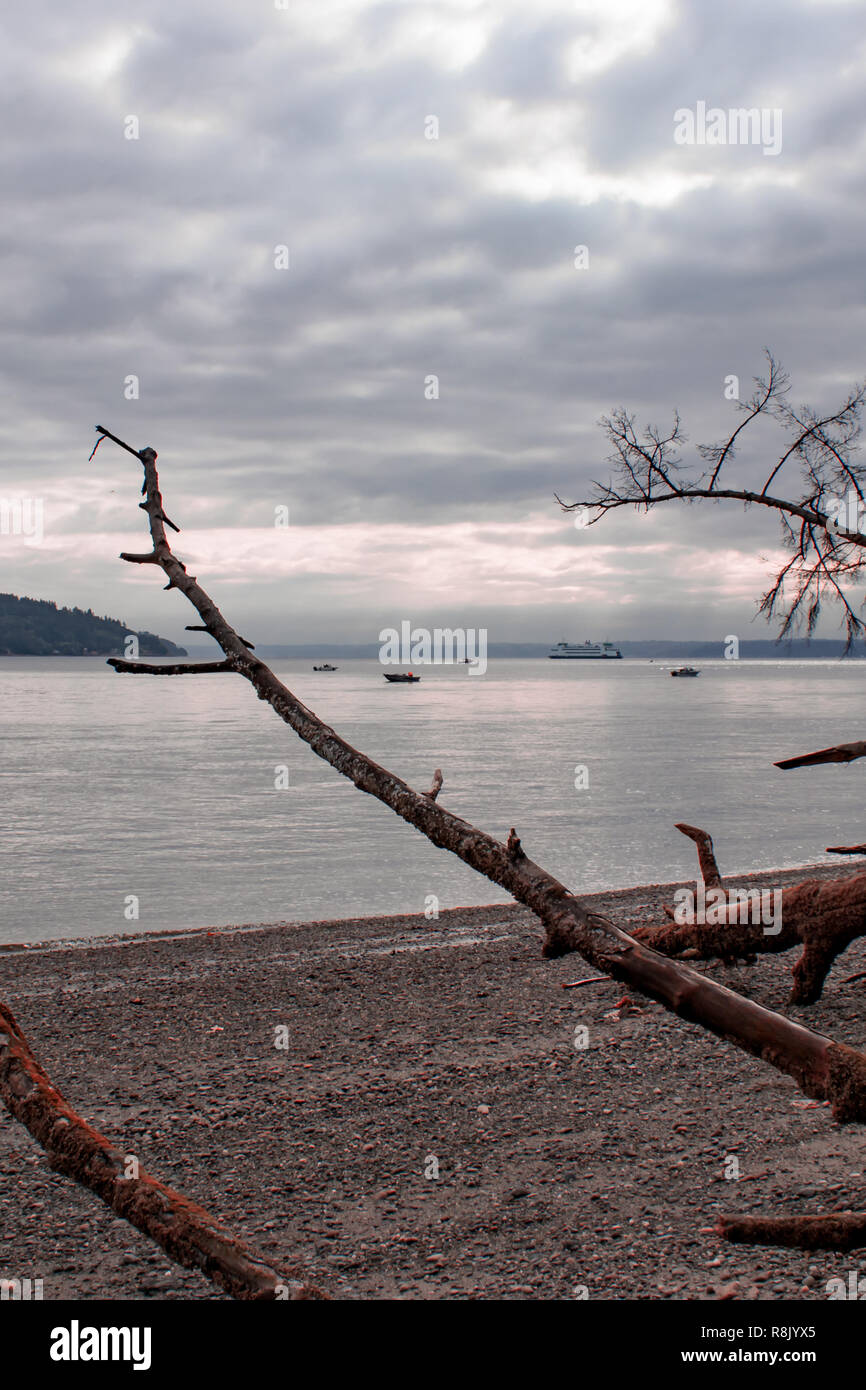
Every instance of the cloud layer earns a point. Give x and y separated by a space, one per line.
412 257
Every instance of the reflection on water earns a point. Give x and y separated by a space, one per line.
165 788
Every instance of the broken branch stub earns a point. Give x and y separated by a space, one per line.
706 854
436 785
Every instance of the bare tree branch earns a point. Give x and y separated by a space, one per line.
839 753
821 1067
775 385
828 555
194 668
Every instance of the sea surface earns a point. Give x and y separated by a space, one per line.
160 796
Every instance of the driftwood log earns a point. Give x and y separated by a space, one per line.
839 753
824 916
836 1231
185 1230
183 668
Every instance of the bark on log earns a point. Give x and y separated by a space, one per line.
821 1068
838 1231
186 668
839 753
822 916
184 1230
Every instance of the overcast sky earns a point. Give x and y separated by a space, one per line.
410 257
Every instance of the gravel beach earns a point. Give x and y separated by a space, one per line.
430 1129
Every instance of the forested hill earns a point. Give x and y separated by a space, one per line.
34 627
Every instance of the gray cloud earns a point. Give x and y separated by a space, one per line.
409 257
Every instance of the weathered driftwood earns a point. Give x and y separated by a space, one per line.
824 916
839 753
185 1230
184 668
592 980
820 1067
836 1231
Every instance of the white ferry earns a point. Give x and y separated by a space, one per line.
568 651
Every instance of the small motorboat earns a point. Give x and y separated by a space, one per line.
401 678
685 671
326 667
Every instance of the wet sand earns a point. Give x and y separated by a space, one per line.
417 1048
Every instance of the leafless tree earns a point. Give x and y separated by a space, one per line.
827 554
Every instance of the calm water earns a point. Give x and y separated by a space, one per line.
164 788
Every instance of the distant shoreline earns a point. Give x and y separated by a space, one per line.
673 653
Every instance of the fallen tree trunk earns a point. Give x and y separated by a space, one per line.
838 1231
821 1068
823 916
184 1230
183 668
